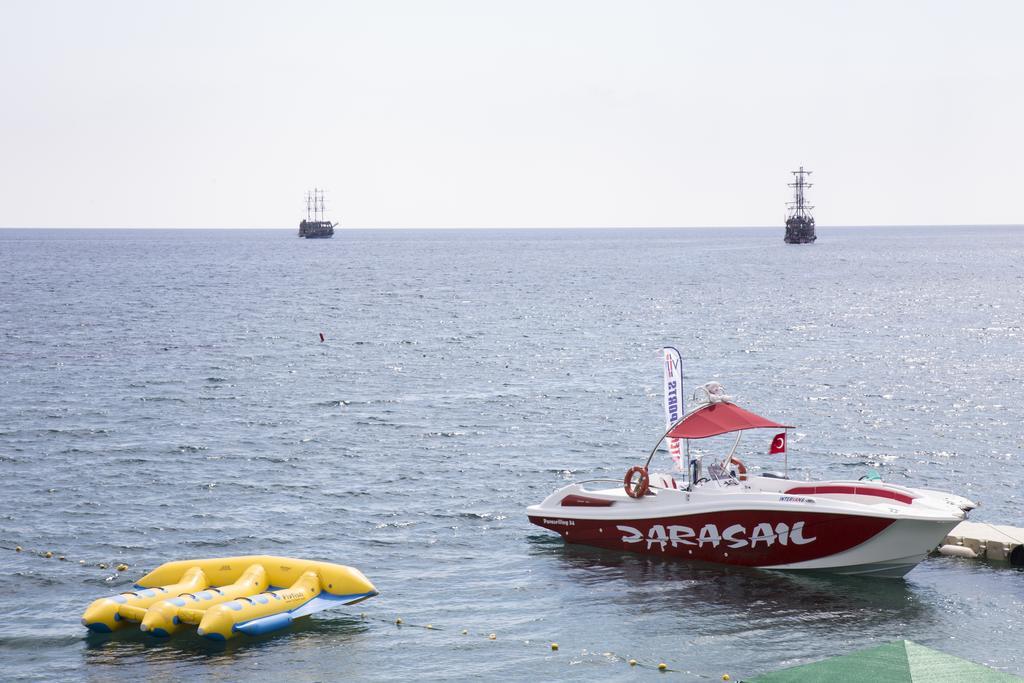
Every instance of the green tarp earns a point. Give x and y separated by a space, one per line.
895 662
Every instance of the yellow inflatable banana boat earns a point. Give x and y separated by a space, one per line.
253 594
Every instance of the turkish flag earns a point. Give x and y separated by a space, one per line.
778 444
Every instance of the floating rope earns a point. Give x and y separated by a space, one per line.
60 557
661 666
398 621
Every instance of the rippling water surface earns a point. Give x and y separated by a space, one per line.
164 395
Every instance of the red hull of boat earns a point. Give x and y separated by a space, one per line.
761 538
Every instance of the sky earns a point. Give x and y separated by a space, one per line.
515 113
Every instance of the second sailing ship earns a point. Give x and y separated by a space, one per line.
799 221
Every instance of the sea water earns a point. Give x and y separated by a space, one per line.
165 395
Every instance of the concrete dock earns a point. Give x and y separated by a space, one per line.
985 541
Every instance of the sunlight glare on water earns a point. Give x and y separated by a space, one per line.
165 396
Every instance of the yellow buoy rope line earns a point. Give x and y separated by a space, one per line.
553 647
398 621
61 557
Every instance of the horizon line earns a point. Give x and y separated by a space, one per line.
562 227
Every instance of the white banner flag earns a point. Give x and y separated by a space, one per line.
673 401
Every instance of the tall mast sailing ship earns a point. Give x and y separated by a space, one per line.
315 225
799 221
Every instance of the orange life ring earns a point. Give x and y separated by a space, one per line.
638 489
741 469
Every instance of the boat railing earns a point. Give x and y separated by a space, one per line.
619 482
595 481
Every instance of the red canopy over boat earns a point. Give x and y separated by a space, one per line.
719 418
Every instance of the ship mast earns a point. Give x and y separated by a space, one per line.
798 207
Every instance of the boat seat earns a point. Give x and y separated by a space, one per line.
665 481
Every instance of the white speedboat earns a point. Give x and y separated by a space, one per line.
768 520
